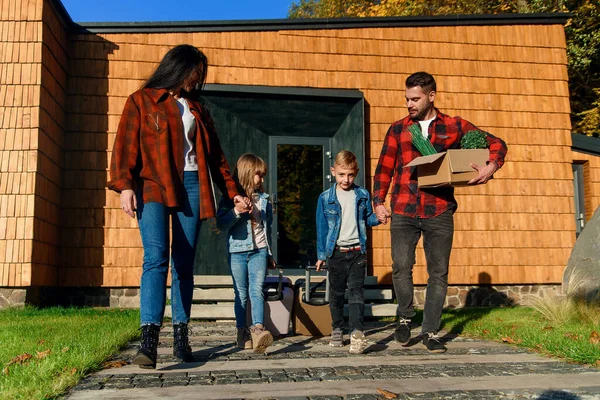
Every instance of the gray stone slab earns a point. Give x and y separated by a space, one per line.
332 362
333 388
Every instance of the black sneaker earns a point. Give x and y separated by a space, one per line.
433 343
402 332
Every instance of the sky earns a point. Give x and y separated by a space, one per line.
173 10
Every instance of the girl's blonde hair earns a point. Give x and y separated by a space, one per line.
246 167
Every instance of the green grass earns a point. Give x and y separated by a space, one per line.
574 339
64 344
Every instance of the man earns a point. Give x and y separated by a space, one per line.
429 211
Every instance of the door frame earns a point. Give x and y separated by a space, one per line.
272 180
579 197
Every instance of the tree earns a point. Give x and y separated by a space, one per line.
582 32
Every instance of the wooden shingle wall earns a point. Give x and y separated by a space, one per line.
88 223
32 110
510 80
20 85
51 143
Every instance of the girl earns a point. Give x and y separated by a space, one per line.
165 151
248 242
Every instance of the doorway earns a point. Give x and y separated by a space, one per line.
296 131
299 171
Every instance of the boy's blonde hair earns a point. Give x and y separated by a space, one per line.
246 167
346 159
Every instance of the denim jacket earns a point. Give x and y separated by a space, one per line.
329 220
239 227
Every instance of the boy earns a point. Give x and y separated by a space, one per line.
343 214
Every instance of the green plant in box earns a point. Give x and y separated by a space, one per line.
474 140
420 142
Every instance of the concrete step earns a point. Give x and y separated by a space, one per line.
224 311
204 295
226 280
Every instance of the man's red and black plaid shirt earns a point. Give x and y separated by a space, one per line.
148 152
445 133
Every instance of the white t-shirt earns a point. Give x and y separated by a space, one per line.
258 229
425 127
348 229
189 131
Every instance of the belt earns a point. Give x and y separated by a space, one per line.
347 248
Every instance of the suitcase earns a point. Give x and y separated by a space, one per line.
311 305
279 300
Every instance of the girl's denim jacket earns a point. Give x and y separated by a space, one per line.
329 220
239 227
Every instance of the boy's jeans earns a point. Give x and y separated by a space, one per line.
437 242
248 269
153 219
347 268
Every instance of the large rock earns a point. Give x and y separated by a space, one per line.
582 275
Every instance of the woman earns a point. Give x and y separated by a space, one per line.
165 156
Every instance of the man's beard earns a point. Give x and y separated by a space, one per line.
421 115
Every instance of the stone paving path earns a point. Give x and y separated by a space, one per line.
307 368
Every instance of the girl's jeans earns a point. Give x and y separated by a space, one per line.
153 219
248 270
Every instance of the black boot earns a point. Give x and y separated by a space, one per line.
181 343
146 355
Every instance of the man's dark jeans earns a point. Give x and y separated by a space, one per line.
347 268
437 242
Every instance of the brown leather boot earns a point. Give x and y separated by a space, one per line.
261 338
243 339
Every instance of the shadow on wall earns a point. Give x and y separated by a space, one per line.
484 295
87 218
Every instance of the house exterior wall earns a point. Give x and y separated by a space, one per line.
510 80
32 99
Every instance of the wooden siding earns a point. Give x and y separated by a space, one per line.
61 97
33 95
510 80
20 86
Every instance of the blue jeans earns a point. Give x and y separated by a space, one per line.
248 269
153 219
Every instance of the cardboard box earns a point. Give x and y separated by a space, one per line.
450 168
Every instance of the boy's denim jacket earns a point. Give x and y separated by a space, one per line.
329 220
239 227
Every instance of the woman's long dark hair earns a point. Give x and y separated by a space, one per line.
176 66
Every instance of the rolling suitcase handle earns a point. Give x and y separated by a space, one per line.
306 297
278 295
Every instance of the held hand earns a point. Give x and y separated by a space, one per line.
319 264
128 202
382 214
486 173
271 264
242 204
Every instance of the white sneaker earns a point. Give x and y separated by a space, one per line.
358 342
337 338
